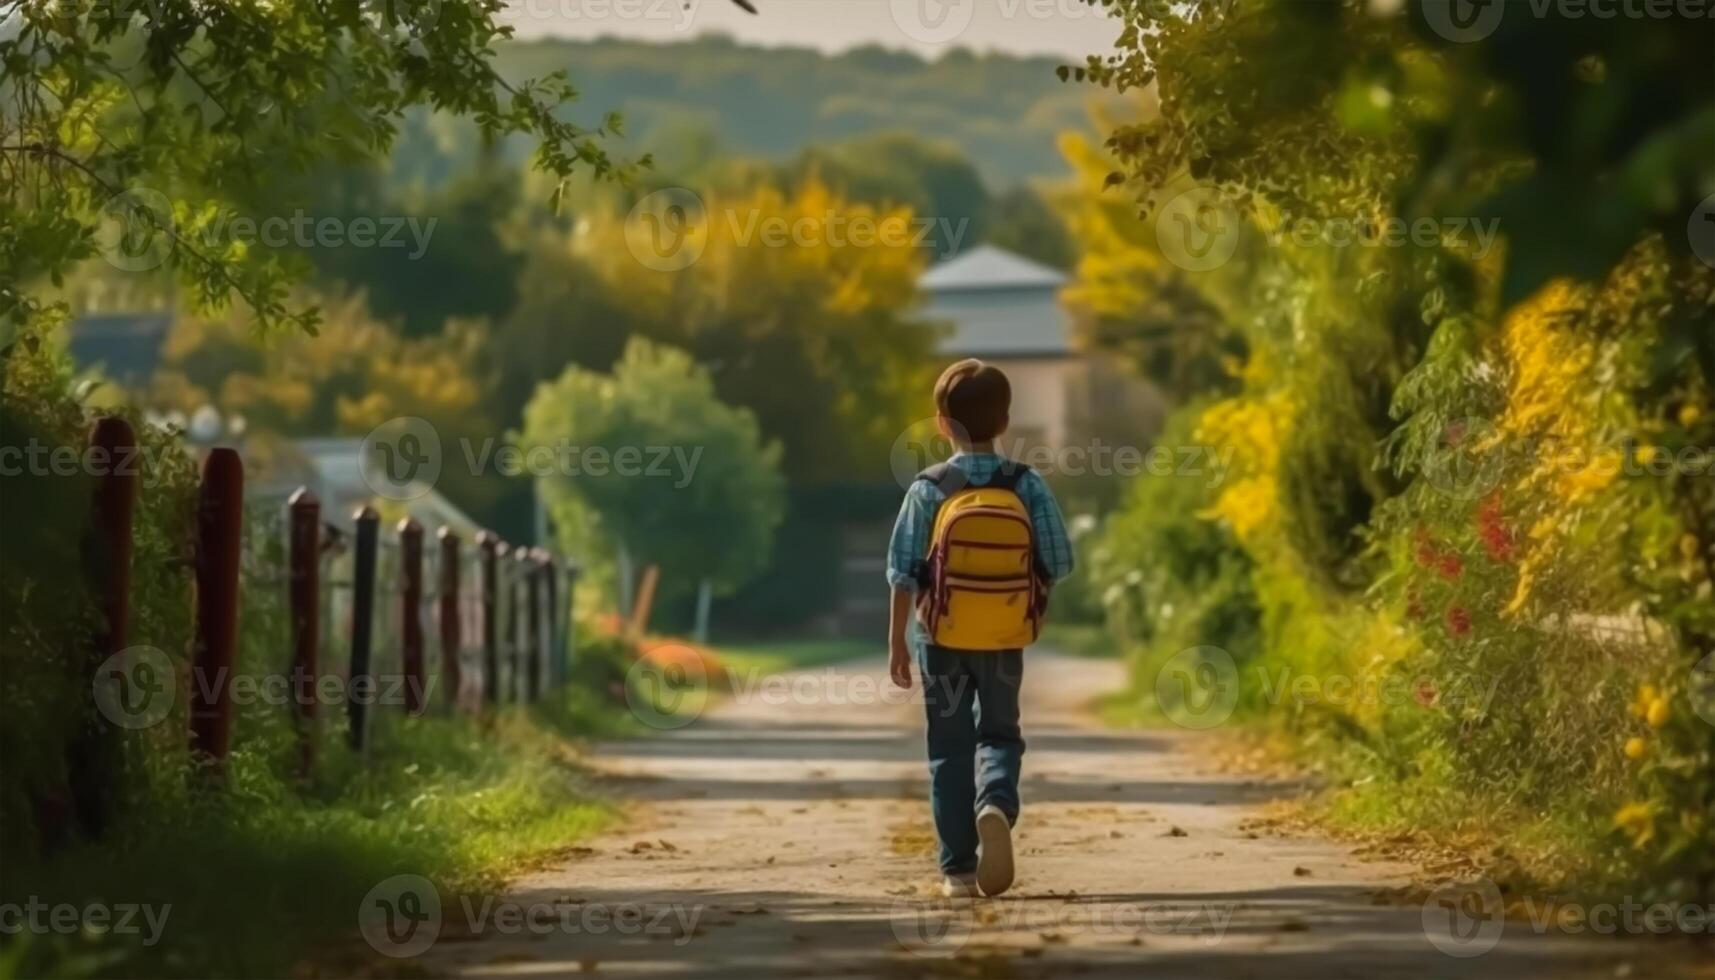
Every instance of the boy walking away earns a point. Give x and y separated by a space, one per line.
978 543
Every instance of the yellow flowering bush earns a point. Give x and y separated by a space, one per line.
1253 430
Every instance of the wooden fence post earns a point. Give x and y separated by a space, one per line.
489 547
411 614
524 646
452 634
220 534
540 619
551 601
571 610
360 686
304 531
95 756
506 673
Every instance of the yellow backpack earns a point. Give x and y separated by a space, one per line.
981 587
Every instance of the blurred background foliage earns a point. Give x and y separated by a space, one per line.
1443 469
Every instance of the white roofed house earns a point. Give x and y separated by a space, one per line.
1006 309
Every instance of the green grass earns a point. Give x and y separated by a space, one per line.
261 874
778 656
1565 848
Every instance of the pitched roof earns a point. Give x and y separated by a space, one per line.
989 267
1000 305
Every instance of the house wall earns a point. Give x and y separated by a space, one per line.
1040 410
1084 401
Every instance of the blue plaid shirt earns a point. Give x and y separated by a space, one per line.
909 547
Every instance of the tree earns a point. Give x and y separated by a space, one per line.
1130 299
158 116
1350 108
355 373
649 464
934 179
457 265
1023 222
798 301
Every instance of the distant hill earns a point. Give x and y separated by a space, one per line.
714 95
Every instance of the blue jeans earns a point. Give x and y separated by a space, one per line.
975 747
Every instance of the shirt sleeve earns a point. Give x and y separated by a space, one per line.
1053 544
909 546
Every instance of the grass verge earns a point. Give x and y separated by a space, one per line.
779 656
257 876
1424 820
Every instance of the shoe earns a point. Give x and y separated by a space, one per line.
959 886
994 865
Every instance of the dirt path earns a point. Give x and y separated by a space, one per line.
786 834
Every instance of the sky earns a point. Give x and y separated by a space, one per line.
1067 29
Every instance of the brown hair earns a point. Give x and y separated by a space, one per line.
976 397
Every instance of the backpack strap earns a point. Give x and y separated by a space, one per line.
945 477
1008 475
949 479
